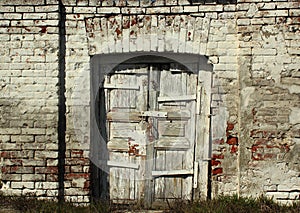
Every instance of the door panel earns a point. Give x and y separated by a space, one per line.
151 130
126 95
174 147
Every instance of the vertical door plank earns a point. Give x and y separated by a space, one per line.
126 183
152 134
173 184
160 165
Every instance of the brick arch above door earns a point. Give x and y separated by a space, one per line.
138 33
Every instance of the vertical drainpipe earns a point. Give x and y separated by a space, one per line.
61 129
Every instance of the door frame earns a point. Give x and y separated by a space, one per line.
102 65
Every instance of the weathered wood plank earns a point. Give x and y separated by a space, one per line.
174 143
121 86
124 116
141 95
133 178
152 106
158 114
132 69
179 115
187 184
203 133
171 129
118 144
123 164
199 96
177 98
173 180
159 187
120 98
119 178
173 172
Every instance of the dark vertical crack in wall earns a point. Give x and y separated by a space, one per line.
62 102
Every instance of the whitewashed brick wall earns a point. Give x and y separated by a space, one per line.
254 49
28 100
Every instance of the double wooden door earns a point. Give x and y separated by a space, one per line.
150 124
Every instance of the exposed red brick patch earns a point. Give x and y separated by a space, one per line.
234 149
77 153
133 22
218 156
215 162
5 154
261 149
232 140
14 169
5 169
118 31
257 156
86 186
254 148
217 171
77 161
230 126
126 24
43 29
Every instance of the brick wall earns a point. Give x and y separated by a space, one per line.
28 101
268 33
254 49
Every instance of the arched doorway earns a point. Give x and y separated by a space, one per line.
147 111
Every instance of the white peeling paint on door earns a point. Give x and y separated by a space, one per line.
151 118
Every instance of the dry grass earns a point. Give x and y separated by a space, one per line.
222 204
233 204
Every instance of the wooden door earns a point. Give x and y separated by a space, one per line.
151 131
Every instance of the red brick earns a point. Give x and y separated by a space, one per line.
215 162
77 153
72 176
47 170
219 156
217 171
87 185
230 126
257 156
5 169
232 140
234 149
254 148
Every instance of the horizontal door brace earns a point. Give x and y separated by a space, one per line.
158 114
177 98
123 164
173 172
120 86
